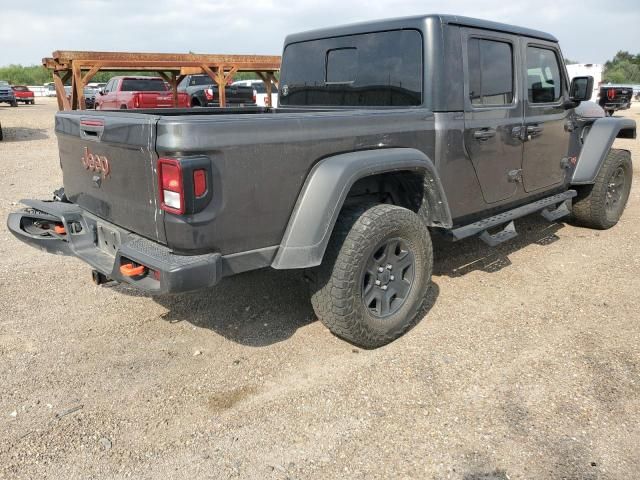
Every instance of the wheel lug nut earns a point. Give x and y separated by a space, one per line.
384 287
389 266
377 282
392 278
380 269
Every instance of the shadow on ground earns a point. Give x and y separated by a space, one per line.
23 134
455 259
256 308
268 306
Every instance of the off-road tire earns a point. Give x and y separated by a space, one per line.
336 285
589 207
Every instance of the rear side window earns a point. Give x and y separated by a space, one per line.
544 82
490 72
143 85
200 80
372 69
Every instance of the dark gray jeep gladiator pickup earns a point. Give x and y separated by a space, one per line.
386 132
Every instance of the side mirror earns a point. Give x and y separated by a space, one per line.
581 89
101 91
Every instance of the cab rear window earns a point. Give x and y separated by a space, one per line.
143 85
372 69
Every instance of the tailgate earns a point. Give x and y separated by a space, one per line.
155 99
108 165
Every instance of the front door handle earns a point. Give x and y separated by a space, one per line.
484 134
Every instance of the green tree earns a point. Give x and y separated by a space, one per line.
623 68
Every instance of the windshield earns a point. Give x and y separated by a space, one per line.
372 69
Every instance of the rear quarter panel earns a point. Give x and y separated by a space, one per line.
260 162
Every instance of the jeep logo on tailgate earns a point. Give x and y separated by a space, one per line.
96 163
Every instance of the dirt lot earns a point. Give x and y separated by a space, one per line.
527 364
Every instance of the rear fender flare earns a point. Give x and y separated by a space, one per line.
597 145
326 188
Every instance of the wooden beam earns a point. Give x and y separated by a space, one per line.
91 73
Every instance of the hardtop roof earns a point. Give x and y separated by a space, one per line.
416 22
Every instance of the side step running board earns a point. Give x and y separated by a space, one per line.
553 207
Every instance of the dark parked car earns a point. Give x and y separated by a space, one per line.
7 95
386 132
204 93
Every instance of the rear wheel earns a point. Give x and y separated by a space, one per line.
600 205
374 276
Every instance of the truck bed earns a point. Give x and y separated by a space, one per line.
260 158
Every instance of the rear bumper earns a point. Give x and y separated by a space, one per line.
175 273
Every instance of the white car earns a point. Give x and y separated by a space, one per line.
260 91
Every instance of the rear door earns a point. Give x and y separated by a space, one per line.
108 165
493 111
546 120
108 99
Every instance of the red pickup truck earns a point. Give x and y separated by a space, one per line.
23 94
137 92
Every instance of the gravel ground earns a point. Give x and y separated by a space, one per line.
526 366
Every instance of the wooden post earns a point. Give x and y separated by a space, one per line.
174 89
63 101
77 88
222 86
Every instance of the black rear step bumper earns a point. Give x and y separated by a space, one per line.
176 273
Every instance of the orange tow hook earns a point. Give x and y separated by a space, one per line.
60 230
130 270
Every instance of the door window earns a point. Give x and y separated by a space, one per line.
544 82
490 72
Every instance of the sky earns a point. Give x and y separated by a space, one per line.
589 31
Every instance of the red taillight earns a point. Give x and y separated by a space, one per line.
199 183
136 101
255 95
208 92
171 185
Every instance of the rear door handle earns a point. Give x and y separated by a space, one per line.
534 131
484 134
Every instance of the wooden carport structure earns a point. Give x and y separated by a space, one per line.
80 67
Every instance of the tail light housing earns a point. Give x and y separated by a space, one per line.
185 185
171 186
208 92
136 101
255 95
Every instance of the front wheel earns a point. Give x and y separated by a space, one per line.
600 205
374 275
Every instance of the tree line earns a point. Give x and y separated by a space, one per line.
38 75
623 68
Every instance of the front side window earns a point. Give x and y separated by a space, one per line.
544 82
490 72
372 69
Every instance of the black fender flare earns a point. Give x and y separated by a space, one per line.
326 188
597 145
